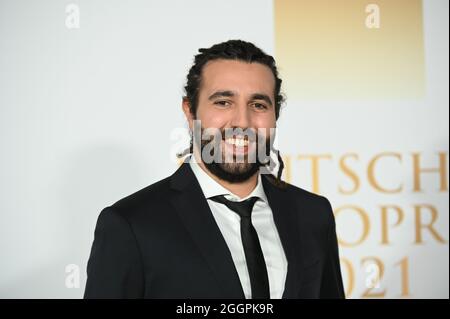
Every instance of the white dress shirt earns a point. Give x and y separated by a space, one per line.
229 225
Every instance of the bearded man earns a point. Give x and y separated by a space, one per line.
222 226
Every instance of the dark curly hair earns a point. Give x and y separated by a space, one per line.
232 50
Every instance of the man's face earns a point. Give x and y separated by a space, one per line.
236 94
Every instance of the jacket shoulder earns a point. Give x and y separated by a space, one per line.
310 203
143 200
304 194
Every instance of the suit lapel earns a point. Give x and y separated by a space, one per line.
194 211
286 221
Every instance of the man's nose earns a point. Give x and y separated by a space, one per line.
241 117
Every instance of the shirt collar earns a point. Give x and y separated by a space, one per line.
212 188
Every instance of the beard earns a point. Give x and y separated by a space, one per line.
236 171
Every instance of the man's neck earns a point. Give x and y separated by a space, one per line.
241 189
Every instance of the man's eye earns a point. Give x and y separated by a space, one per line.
259 106
222 103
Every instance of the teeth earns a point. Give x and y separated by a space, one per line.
240 142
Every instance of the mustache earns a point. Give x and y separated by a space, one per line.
210 134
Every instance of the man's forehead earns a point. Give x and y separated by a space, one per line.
225 67
237 76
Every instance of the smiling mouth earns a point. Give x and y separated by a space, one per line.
237 145
237 141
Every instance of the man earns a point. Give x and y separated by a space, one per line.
219 227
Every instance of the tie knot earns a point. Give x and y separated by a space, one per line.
243 209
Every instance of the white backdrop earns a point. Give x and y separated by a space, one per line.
87 113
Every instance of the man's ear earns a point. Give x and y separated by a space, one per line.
187 112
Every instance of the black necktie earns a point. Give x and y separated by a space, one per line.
253 253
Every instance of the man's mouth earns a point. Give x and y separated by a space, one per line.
237 145
237 141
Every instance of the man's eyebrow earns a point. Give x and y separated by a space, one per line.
261 96
221 94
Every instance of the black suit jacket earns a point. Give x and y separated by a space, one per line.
163 242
